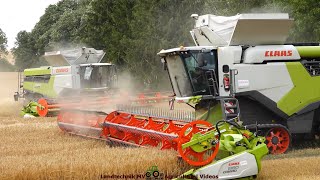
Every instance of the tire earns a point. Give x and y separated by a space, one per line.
278 140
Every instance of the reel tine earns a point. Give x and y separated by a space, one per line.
160 113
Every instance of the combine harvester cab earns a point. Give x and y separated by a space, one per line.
71 74
245 56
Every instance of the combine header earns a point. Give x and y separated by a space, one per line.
45 107
197 142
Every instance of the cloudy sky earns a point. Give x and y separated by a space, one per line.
17 15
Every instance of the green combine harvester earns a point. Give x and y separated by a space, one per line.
246 57
71 75
239 61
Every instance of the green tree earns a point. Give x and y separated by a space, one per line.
106 25
5 66
49 31
157 25
25 52
3 43
133 31
57 25
306 19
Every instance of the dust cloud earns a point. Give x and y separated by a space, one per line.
8 85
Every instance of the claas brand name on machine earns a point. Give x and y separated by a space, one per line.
233 167
62 70
277 53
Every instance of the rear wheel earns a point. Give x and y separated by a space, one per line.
278 140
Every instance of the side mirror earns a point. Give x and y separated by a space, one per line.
88 72
164 64
16 96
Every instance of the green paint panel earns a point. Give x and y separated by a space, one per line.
37 71
259 152
309 51
30 108
306 89
214 116
45 89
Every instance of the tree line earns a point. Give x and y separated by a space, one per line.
5 66
133 31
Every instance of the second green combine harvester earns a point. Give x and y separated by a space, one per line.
71 73
73 77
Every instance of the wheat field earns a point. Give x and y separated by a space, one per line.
37 149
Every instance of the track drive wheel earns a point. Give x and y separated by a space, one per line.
188 154
278 140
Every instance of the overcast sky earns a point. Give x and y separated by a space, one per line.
17 15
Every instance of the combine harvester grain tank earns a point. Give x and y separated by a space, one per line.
238 60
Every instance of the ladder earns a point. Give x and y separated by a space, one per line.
212 82
230 108
19 93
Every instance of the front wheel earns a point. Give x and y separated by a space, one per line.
278 140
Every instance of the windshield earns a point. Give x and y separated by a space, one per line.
187 71
99 76
178 76
197 64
